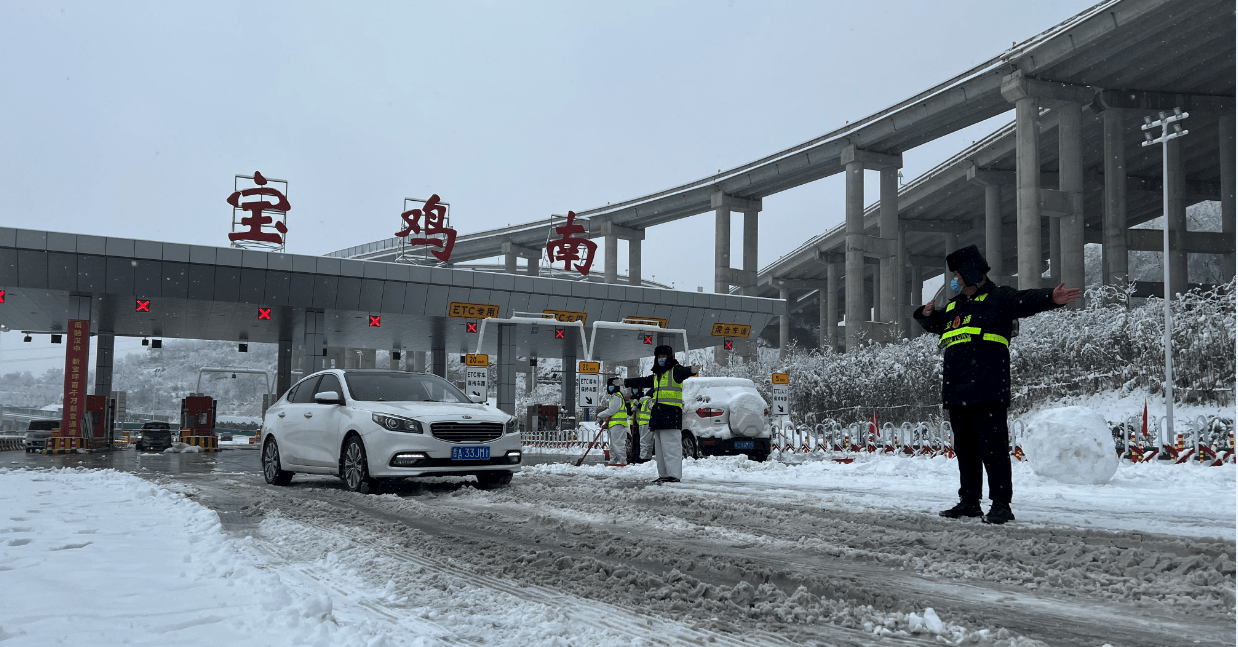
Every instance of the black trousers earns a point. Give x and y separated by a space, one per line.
982 440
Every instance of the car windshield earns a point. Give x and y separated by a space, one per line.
402 387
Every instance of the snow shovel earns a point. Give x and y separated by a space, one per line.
590 447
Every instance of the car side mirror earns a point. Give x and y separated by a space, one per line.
478 399
328 397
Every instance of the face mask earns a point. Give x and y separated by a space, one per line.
661 361
610 389
955 285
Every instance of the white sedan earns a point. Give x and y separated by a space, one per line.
366 425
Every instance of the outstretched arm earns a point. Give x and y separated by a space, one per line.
1025 303
639 382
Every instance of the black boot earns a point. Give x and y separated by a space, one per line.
999 513
963 509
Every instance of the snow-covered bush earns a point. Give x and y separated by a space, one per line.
1105 346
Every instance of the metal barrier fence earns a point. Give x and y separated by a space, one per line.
554 440
834 439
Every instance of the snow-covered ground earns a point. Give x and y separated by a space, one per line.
598 556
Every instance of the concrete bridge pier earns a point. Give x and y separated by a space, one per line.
724 275
612 234
512 252
1114 256
858 245
1070 184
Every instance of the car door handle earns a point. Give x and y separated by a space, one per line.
281 414
309 414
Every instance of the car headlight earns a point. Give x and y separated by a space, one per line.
511 426
396 423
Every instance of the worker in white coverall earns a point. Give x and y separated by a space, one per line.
640 410
615 418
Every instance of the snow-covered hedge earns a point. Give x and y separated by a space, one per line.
1105 346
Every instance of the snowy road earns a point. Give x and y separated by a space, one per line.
742 553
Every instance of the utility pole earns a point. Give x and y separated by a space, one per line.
1170 129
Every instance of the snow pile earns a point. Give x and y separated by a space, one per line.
103 557
738 395
1070 445
182 448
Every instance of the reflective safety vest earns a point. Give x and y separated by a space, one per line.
666 390
958 332
620 417
642 412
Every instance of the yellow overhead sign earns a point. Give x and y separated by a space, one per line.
567 316
780 378
731 330
476 360
472 310
589 367
654 321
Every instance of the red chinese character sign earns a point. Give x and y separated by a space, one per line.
76 358
576 253
252 228
427 226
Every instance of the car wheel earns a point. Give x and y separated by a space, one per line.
689 446
489 480
271 470
355 469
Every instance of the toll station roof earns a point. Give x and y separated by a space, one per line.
141 288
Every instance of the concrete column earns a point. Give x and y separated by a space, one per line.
105 347
1227 190
900 284
722 249
569 386
283 367
1114 253
394 363
416 362
1027 187
612 259
831 306
438 361
823 315
993 230
1070 180
1175 179
314 331
509 263
750 250
505 375
634 268
349 356
872 306
531 266
915 296
888 302
784 323
855 318
367 358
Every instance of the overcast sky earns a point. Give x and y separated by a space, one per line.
131 119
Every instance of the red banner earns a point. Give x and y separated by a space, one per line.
76 360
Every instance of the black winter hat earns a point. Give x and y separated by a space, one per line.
969 263
664 350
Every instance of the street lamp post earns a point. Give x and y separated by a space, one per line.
1170 129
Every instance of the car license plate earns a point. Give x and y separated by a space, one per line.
470 453
745 444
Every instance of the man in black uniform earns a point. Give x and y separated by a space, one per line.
975 330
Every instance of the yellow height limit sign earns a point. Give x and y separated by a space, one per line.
589 367
781 394
476 360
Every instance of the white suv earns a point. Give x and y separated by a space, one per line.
366 425
726 415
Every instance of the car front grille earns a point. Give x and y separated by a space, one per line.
467 432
